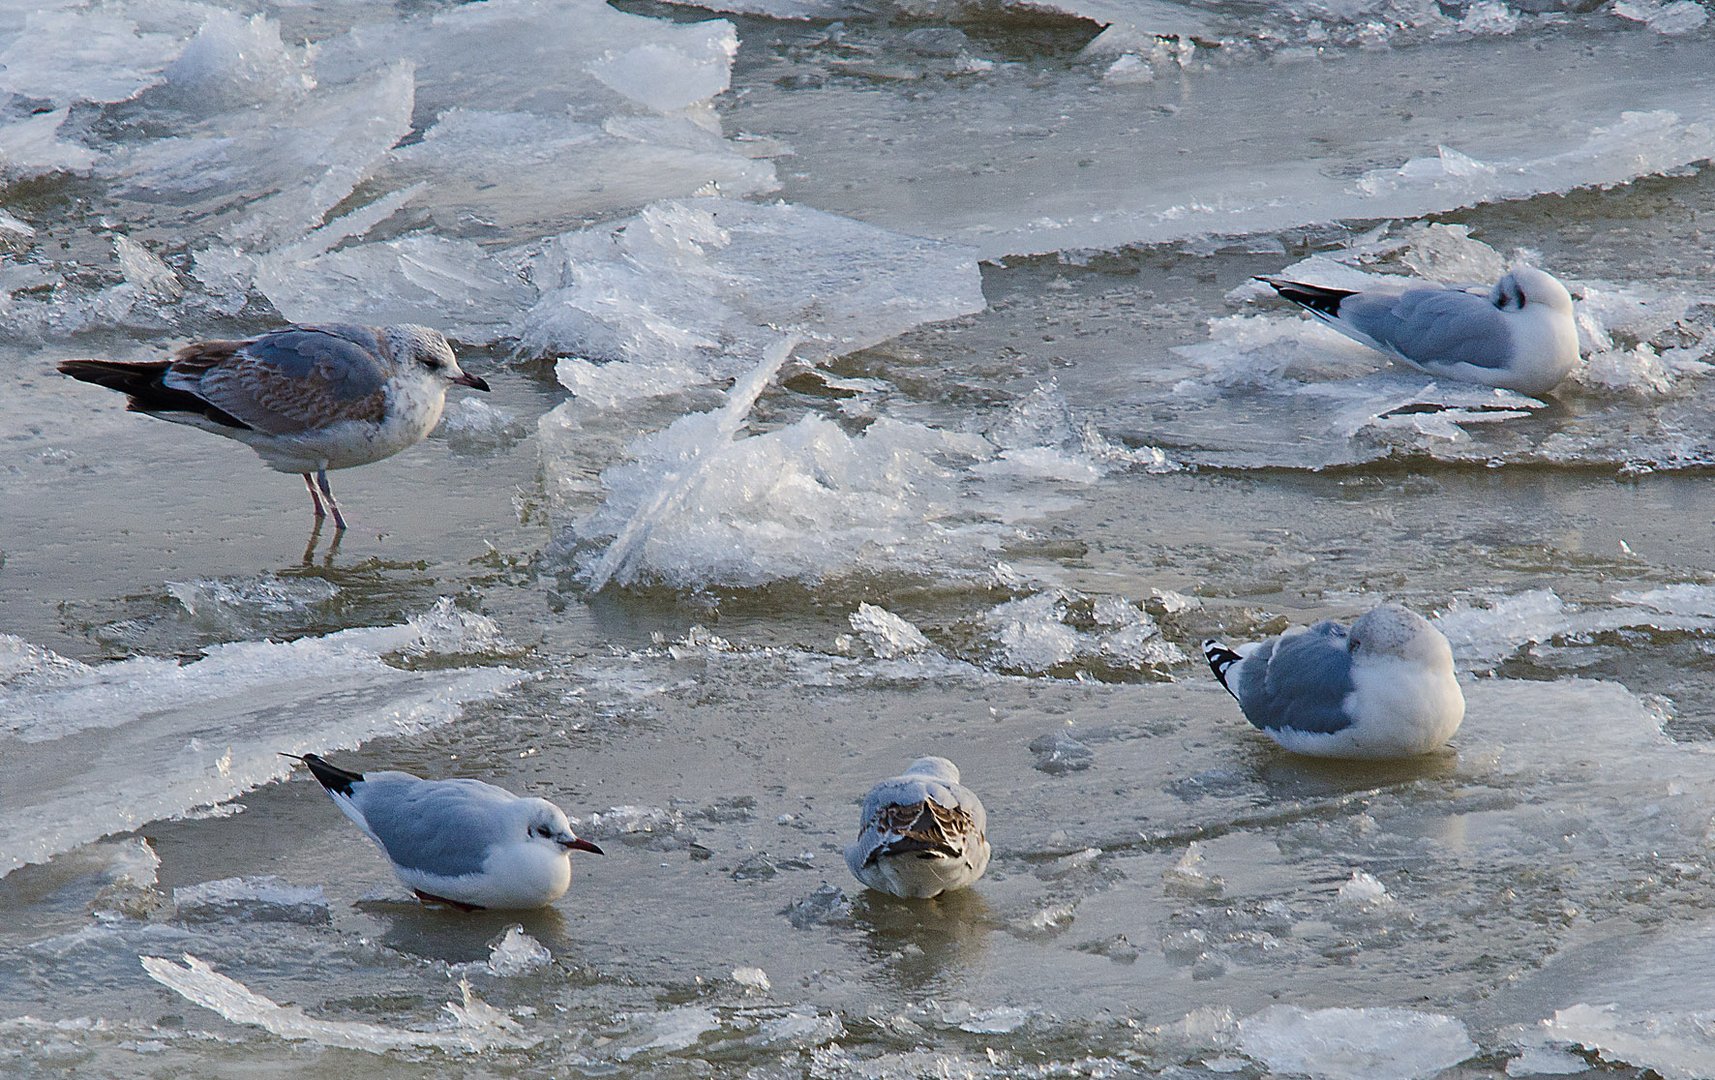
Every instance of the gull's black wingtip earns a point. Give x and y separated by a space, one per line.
1316 298
335 779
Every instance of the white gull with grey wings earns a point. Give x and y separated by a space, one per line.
305 398
464 843
1519 334
922 833
1383 689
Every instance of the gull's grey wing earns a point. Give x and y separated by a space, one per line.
1299 681
442 827
1433 326
297 379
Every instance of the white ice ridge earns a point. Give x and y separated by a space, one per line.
1677 1045
1262 147
174 737
1485 631
472 1026
683 288
245 144
1355 1044
702 435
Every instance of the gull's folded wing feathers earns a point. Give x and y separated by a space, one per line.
1299 681
291 380
440 827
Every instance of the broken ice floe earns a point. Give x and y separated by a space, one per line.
1484 632
178 736
887 635
470 1026
1355 1044
1054 631
266 898
517 953
233 147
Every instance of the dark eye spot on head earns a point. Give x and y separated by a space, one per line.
433 363
541 830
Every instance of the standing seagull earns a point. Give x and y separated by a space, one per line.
459 842
923 833
1383 689
306 398
1519 335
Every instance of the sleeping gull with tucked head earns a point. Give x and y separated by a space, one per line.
1383 689
306 398
923 833
463 843
1518 335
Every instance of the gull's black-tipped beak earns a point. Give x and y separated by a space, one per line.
475 382
580 844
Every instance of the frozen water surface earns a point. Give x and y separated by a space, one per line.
869 381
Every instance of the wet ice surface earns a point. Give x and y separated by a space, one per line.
852 494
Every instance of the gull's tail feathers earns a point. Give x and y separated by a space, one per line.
1221 659
144 383
1317 299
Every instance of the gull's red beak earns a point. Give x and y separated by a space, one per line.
475 382
579 844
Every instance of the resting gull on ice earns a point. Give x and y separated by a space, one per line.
463 843
923 833
306 398
1519 334
1383 689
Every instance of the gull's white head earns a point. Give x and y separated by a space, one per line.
1525 285
428 351
541 822
937 767
1392 631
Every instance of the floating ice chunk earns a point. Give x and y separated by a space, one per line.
252 899
1187 877
886 634
630 820
1546 1061
686 279
1677 1045
827 904
1053 629
1692 601
668 78
1355 1044
753 978
517 953
1506 625
31 148
472 1027
1636 144
1672 17
425 279
1041 437
335 139
1489 17
806 502
1363 890
674 1029
233 62
94 54
256 698
1030 633
472 425
1129 69
1058 753
556 171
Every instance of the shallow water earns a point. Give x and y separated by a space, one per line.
1030 405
